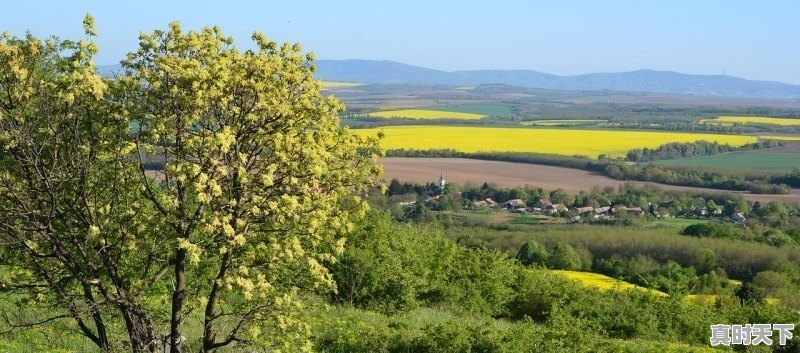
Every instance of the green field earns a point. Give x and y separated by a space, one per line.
425 114
741 160
492 109
527 220
564 122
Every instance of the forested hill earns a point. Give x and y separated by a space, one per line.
385 72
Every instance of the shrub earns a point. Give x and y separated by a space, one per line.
532 253
715 230
564 257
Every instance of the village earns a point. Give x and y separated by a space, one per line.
560 212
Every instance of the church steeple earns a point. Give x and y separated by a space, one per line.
441 183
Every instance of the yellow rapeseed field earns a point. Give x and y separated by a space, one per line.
556 141
730 120
425 114
602 281
338 84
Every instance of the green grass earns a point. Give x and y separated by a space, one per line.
494 109
740 160
526 220
675 222
564 122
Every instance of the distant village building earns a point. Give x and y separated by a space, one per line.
582 210
635 211
514 204
601 212
441 183
476 205
542 203
558 207
491 203
738 217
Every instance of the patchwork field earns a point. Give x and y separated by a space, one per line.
508 174
426 114
730 120
557 141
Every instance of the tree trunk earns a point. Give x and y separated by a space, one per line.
177 302
209 335
99 323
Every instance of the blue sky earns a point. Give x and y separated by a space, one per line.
749 39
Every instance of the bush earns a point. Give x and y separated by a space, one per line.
715 230
564 257
532 253
388 268
775 237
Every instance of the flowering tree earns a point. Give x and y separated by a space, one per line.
217 180
259 181
70 209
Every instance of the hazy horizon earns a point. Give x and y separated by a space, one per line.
748 40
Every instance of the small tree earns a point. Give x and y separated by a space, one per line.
564 257
532 253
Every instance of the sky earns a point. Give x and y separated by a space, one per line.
749 39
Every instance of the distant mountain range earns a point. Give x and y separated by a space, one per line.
390 72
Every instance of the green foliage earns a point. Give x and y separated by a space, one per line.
478 281
388 268
739 259
532 253
714 230
434 271
775 237
564 257
692 149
